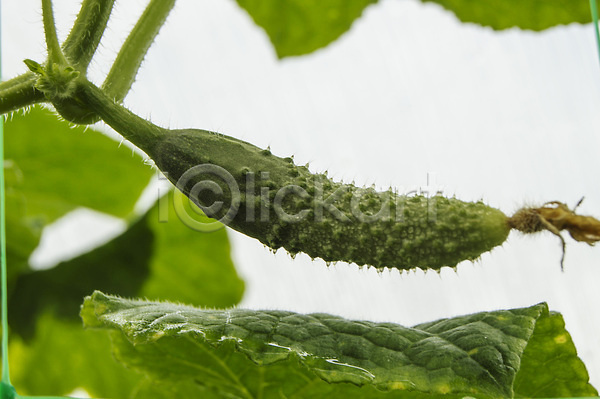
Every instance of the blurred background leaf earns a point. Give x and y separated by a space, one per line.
297 27
53 169
121 265
64 167
23 234
525 14
63 357
189 266
165 260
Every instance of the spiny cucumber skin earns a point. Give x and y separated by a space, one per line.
418 232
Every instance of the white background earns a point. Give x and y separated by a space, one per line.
508 117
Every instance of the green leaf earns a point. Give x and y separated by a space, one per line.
526 14
64 167
65 357
157 390
159 257
247 354
298 27
23 235
51 169
188 265
154 258
120 266
551 349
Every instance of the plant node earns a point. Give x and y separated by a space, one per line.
57 82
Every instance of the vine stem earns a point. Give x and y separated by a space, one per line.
80 46
123 71
142 133
55 54
84 38
19 92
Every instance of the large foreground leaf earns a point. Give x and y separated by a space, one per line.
525 14
298 27
275 354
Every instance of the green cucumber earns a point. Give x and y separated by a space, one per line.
286 206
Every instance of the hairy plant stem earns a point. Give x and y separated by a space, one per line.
55 54
142 133
79 48
19 92
83 40
124 69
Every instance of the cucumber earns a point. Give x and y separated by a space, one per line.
284 205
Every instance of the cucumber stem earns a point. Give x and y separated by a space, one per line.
140 132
